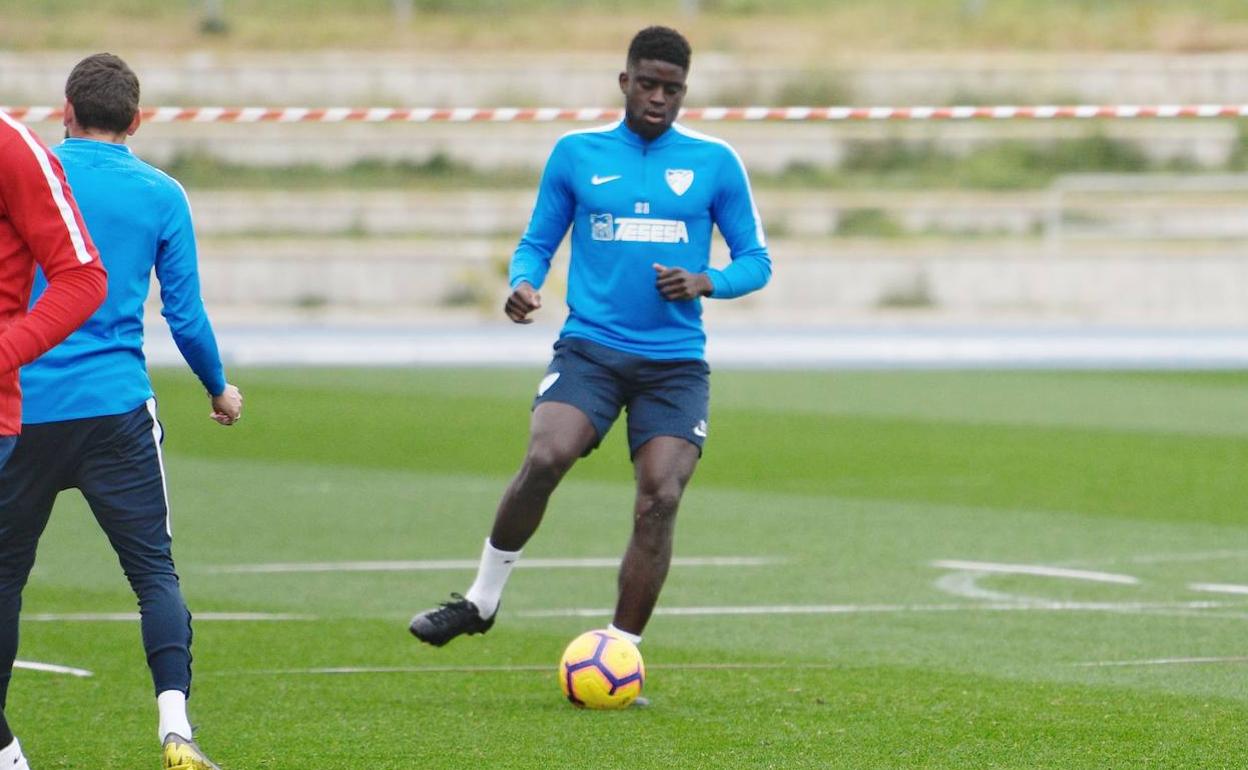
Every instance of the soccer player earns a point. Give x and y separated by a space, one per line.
39 225
640 195
90 415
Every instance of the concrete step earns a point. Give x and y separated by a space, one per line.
798 213
580 79
815 279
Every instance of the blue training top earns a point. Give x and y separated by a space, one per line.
139 219
632 203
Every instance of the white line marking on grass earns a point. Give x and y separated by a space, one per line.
1203 614
1196 556
1036 569
1037 605
333 670
1162 662
120 617
518 668
965 584
1218 588
52 668
466 564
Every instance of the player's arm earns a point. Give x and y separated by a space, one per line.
677 283
177 270
41 208
552 214
736 216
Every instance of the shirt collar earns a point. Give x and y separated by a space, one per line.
96 145
635 139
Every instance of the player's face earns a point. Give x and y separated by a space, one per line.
653 92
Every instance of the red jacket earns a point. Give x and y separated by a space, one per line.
39 224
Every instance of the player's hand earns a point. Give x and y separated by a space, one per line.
677 283
524 299
227 408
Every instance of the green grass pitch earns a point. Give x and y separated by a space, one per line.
848 646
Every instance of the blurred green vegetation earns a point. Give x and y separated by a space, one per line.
889 164
807 29
197 170
1009 165
870 222
1239 156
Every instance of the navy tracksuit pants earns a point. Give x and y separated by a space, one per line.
116 462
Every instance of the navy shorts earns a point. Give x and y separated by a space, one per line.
663 398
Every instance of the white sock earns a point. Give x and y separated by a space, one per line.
172 706
487 589
634 638
11 757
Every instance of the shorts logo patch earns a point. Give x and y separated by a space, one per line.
546 382
699 430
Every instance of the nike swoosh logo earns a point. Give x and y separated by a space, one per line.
597 180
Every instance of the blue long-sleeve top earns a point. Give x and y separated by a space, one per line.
632 203
140 221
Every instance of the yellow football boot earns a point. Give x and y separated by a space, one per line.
182 754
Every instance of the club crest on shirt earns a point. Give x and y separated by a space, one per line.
603 229
679 179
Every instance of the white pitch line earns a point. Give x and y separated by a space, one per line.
1218 588
966 585
1037 605
1036 569
1161 662
120 617
332 670
1181 557
52 668
518 668
466 564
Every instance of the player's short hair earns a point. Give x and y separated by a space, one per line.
661 43
104 92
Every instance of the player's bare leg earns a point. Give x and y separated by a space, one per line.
663 467
558 436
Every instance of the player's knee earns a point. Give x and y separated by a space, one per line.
546 464
658 503
152 578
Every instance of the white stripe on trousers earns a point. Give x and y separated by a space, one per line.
157 435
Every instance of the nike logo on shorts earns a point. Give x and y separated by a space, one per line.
546 382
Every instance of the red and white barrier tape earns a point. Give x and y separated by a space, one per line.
591 114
